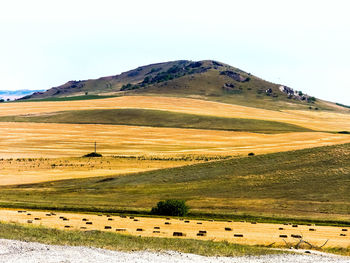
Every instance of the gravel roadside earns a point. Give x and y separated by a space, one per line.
28 252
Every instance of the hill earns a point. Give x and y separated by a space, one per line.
208 79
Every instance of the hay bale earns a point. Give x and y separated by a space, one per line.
312 229
228 229
120 229
67 226
156 232
283 236
202 231
131 217
229 221
136 220
53 214
294 225
167 223
178 234
110 219
108 227
295 236
140 229
156 227
122 216
82 227
199 223
89 223
29 221
344 229
343 235
281 228
201 234
48 214
29 214
168 218
186 221
253 223
108 215
37 218
61 217
65 219
238 235
85 219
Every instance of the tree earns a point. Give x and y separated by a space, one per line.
170 207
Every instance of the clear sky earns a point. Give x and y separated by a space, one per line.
301 44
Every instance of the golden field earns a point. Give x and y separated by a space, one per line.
253 234
317 120
36 140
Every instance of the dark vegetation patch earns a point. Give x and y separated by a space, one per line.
170 207
93 154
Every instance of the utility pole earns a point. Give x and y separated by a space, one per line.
95 147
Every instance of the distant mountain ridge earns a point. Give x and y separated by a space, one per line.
14 94
206 79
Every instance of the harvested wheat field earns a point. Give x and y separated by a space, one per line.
21 140
32 170
236 232
318 120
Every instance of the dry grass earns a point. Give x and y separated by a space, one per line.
31 170
59 140
253 234
317 120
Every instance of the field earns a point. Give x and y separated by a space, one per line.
30 170
244 233
36 140
156 148
315 120
304 184
115 241
157 118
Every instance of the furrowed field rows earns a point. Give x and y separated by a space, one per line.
58 140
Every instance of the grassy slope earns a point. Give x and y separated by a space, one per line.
311 183
156 118
116 241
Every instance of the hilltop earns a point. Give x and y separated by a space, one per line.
208 80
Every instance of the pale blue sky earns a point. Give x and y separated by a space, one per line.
302 44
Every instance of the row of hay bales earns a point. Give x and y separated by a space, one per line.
177 233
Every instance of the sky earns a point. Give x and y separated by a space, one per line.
301 44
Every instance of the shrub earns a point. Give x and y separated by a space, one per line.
170 207
93 154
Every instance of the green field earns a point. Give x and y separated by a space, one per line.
157 118
310 183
